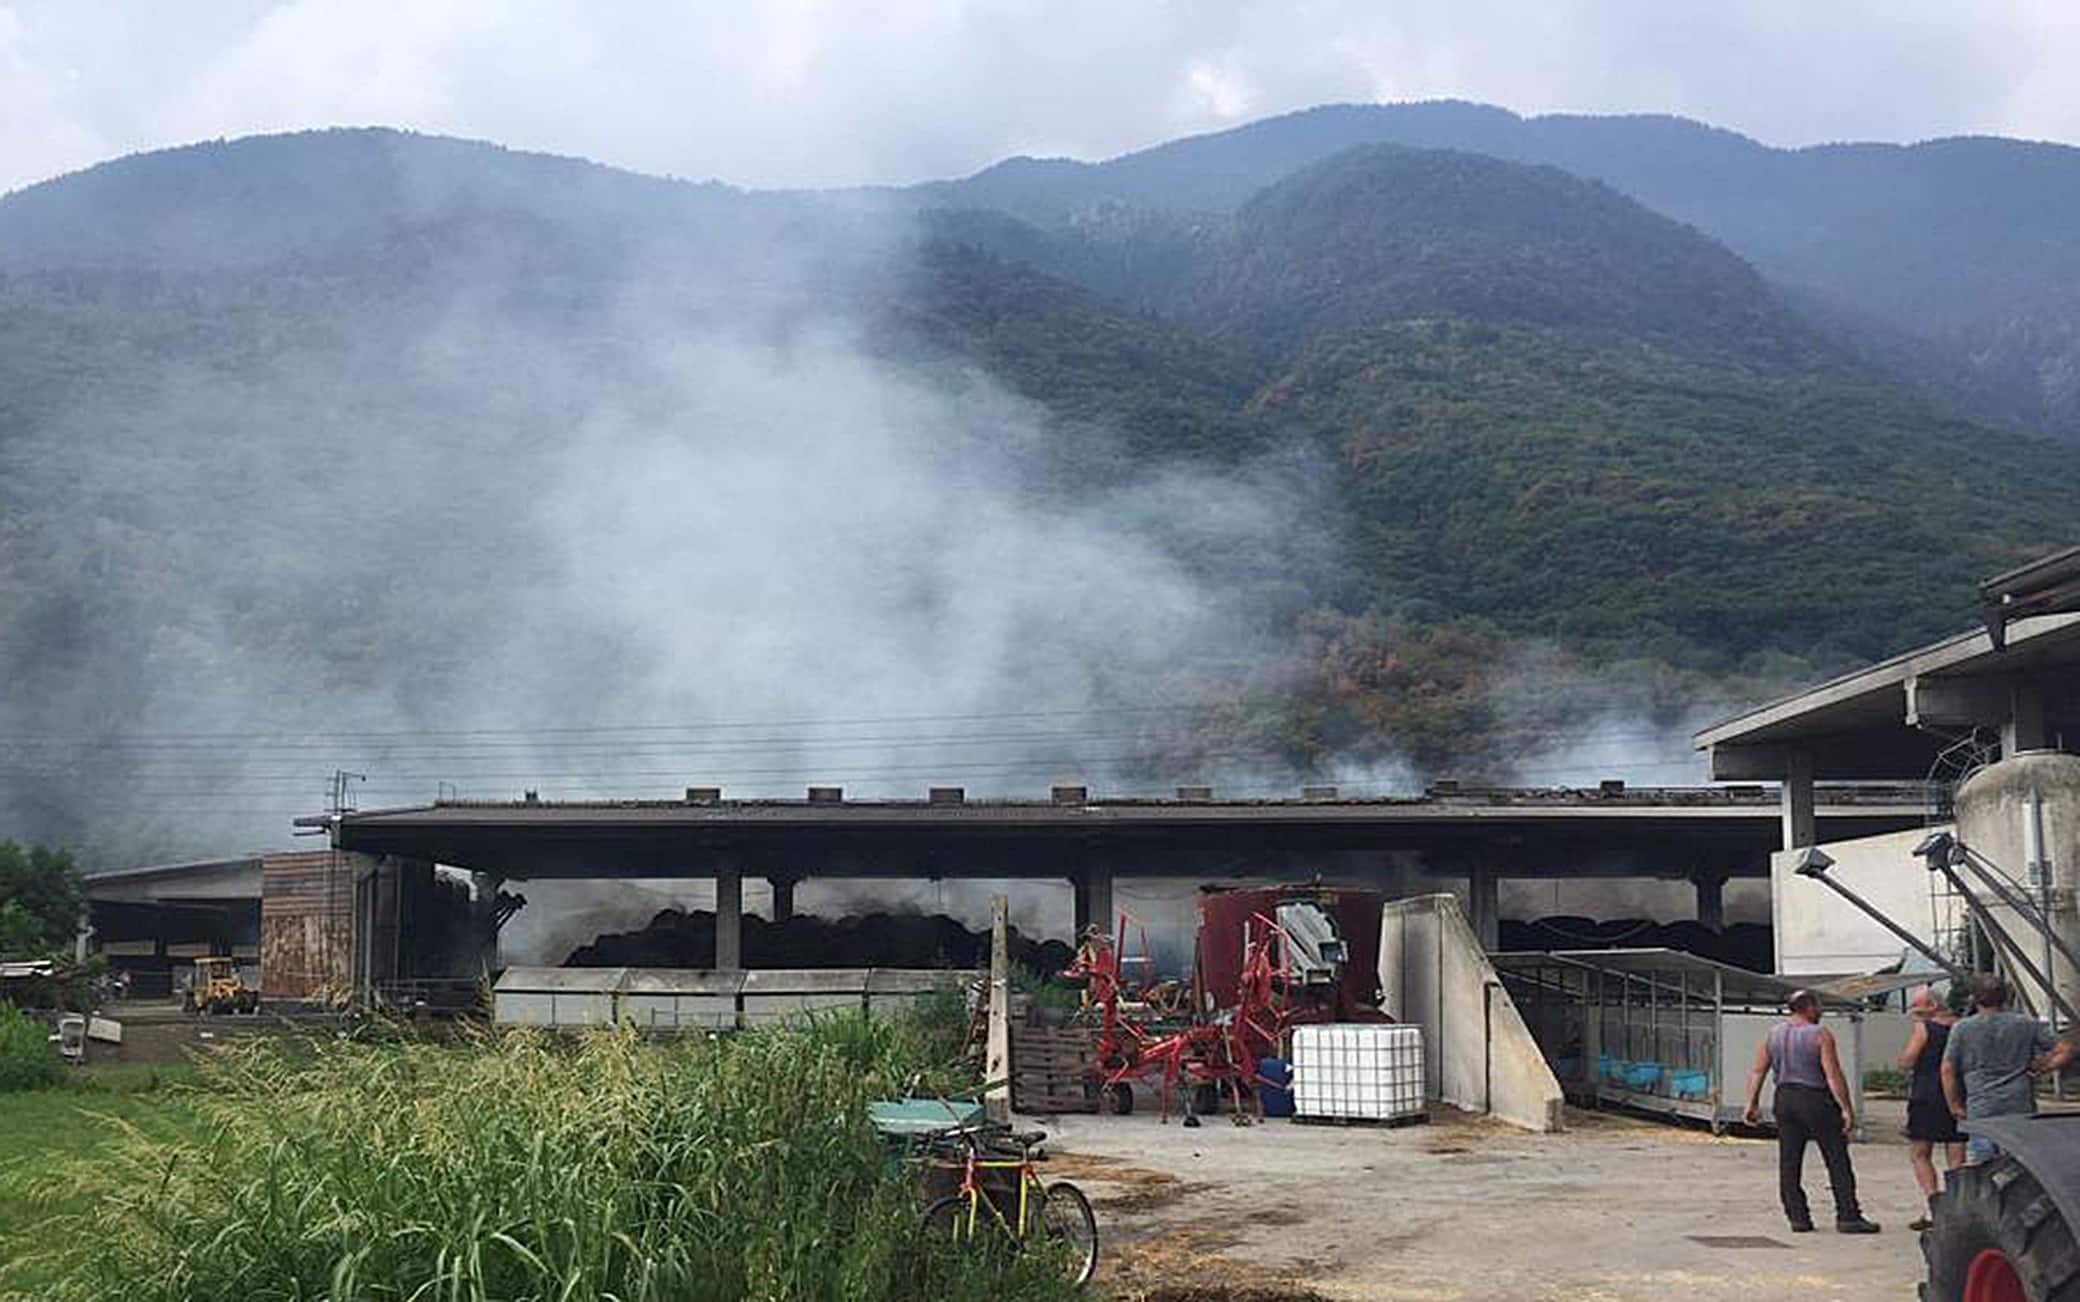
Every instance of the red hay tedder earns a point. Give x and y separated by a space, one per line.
1267 960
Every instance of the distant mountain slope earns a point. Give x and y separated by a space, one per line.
353 421
1382 233
1966 244
313 195
1647 502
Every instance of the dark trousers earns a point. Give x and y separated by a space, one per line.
1804 1113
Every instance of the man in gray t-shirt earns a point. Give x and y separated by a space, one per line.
1991 1065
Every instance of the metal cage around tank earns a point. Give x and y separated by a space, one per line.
1660 1030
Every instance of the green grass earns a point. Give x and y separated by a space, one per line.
45 1132
516 1167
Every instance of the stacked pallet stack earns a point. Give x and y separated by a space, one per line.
1049 1069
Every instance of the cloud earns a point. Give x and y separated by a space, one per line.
807 92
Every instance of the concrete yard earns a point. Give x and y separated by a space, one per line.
1465 1208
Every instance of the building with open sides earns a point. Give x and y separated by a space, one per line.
1933 716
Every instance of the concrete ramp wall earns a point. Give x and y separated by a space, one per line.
1478 1054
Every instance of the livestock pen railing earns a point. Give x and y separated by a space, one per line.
1658 1029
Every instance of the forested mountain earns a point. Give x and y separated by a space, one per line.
361 429
1955 262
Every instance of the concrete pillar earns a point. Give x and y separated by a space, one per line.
997 1050
2025 728
729 916
783 897
1711 899
1485 906
1093 889
1800 828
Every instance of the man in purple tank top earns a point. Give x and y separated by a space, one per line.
1811 1104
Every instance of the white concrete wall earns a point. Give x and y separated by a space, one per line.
1478 1053
1884 1039
1818 933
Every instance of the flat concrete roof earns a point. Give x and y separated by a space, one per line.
191 881
1577 832
184 868
1862 725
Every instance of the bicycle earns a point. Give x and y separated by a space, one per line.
1058 1212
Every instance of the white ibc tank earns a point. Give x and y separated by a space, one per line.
2024 814
1358 1071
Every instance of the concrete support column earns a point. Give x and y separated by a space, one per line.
783 897
1093 888
2025 728
1485 906
997 1047
729 916
1800 828
1711 899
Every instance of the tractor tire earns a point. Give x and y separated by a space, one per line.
1998 1237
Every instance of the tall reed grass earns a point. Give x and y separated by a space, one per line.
522 1168
27 1061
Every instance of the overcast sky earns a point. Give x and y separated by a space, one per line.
797 92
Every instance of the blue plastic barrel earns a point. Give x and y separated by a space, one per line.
1277 1089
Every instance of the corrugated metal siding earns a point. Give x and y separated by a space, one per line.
306 923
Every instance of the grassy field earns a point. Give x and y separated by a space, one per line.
43 1132
515 1167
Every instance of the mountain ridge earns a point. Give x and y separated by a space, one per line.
1412 410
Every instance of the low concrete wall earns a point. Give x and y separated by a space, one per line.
1884 1039
670 999
1478 1053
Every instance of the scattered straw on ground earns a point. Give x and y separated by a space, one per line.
1131 1188
1218 1293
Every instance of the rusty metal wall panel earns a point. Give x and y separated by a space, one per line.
306 923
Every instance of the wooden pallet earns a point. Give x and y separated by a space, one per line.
1386 1122
1049 1068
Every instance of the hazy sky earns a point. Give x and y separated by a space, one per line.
802 92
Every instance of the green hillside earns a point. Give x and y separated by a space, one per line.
1382 233
1646 503
1953 262
364 429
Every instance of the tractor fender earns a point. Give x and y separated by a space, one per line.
2048 1147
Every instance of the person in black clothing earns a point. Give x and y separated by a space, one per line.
1928 1113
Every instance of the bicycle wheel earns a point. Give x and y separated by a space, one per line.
1066 1219
946 1221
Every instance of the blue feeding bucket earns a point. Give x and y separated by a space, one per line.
1643 1076
1690 1084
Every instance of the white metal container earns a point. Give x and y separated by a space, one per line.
1358 1071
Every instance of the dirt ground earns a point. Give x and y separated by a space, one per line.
1613 1210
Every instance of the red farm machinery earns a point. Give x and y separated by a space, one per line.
1266 960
